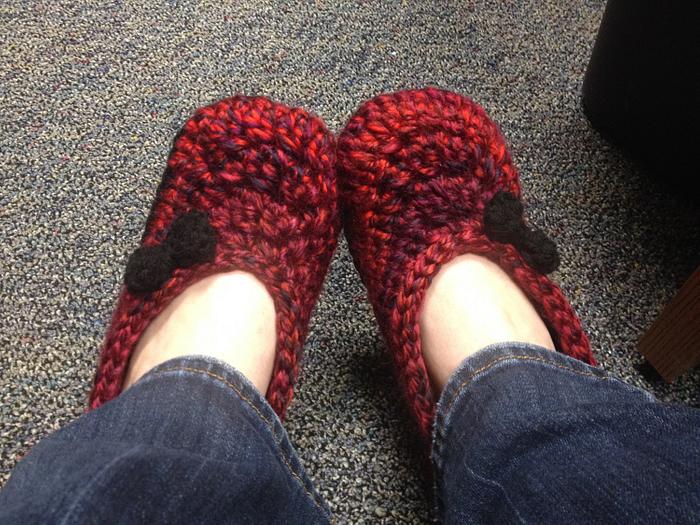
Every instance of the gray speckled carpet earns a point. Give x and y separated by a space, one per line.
92 92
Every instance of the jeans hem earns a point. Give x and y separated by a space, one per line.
479 365
214 370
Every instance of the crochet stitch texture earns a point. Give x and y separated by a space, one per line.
264 176
416 170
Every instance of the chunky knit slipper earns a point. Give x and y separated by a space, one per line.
425 176
249 185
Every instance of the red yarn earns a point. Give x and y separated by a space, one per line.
415 170
265 176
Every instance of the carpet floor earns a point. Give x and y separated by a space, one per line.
92 93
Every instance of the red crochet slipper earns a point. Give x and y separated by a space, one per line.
249 185
425 176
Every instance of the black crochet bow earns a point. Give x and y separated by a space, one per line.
191 240
504 222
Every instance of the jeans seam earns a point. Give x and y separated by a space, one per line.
484 479
440 435
490 364
267 422
89 485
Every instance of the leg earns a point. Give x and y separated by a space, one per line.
212 317
190 441
435 223
526 434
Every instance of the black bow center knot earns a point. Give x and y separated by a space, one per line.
504 222
190 241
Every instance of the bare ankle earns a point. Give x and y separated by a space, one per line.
471 304
227 316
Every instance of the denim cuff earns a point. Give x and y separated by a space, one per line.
478 366
209 372
491 357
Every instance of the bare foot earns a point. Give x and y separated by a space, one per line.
227 316
470 304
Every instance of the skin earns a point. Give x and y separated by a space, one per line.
470 304
228 316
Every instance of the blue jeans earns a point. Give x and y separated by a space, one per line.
522 434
